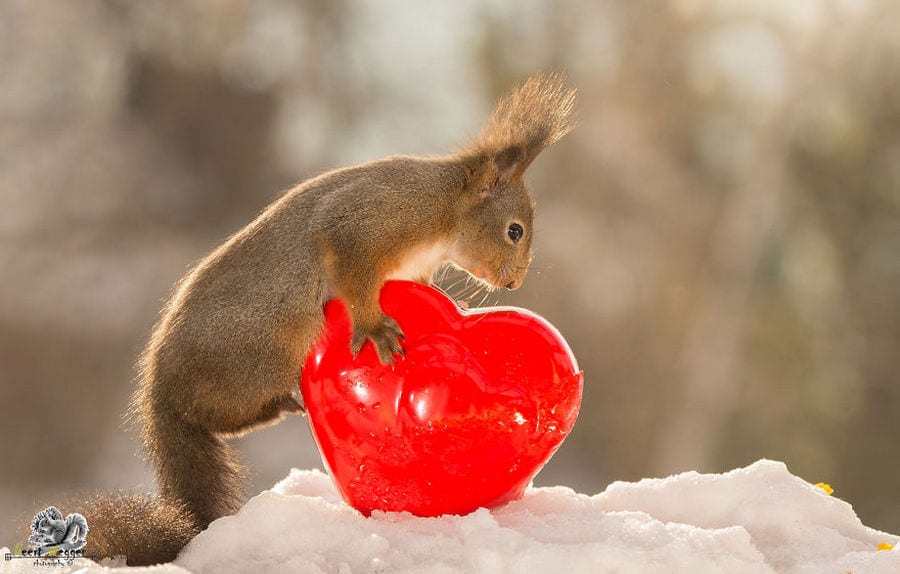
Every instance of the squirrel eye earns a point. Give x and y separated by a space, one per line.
515 232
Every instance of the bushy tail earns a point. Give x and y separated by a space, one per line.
199 480
144 529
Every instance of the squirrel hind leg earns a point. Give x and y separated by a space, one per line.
274 410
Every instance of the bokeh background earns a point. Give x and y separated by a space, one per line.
719 239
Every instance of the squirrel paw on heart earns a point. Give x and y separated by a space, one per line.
385 335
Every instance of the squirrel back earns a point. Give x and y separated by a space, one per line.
225 356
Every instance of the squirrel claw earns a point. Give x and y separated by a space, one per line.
386 337
297 397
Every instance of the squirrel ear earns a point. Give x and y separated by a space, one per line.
507 165
482 177
528 120
512 162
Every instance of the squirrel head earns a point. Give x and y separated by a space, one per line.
495 233
493 240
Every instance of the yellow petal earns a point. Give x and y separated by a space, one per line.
885 546
826 487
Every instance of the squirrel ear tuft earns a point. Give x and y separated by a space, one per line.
525 122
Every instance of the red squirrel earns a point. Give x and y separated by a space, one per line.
226 354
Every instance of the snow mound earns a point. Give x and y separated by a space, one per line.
759 519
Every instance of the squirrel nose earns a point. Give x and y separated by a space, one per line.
513 285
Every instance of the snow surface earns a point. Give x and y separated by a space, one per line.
758 519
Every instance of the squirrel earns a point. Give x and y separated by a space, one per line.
225 356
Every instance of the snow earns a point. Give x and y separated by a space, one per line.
758 519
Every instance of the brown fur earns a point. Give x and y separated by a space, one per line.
144 528
226 355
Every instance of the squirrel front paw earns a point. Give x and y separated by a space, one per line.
385 335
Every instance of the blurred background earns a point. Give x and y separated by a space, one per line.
719 240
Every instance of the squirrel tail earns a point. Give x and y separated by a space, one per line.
145 529
194 468
536 115
198 478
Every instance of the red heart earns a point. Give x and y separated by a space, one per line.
476 408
